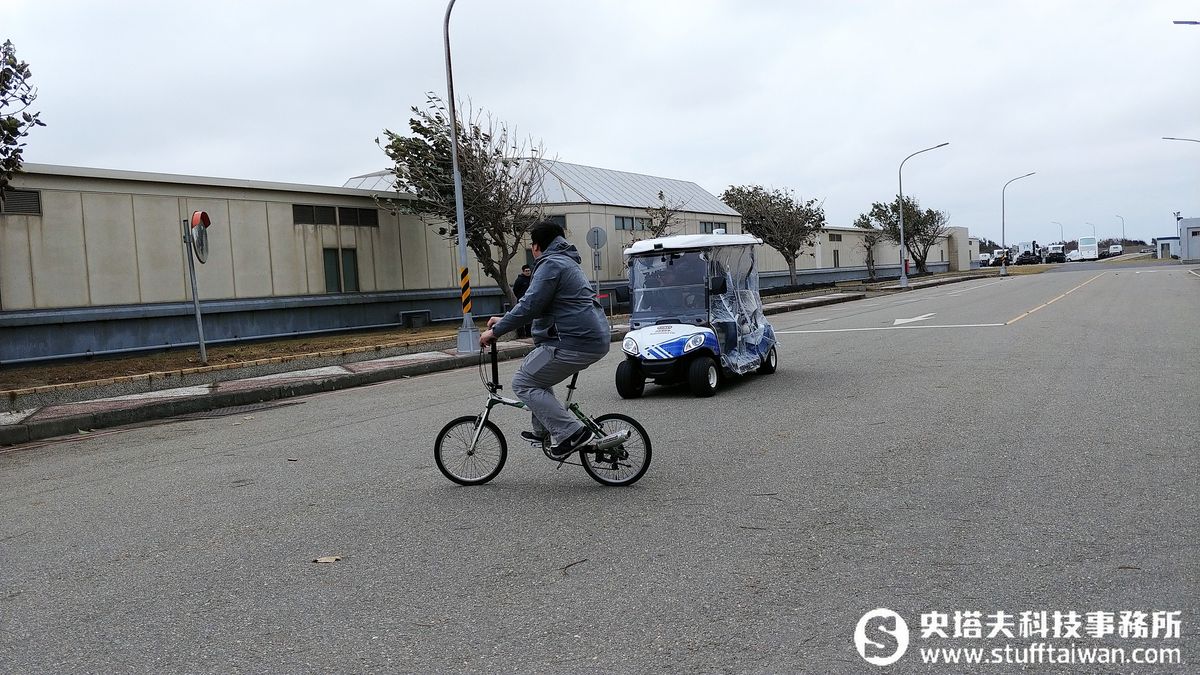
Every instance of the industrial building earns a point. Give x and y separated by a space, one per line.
92 260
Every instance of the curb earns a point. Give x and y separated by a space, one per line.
37 430
912 286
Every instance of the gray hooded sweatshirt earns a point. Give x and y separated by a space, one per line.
561 304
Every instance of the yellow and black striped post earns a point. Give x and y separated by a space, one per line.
464 285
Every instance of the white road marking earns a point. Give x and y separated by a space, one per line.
1193 272
856 330
923 317
973 288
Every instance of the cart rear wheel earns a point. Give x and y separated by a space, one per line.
769 363
630 381
703 376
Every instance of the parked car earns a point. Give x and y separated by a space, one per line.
1074 256
985 259
1146 250
1116 249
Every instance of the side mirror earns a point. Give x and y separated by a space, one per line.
717 286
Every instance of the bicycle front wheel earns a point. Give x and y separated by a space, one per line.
468 464
623 464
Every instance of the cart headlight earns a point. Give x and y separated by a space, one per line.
630 346
694 342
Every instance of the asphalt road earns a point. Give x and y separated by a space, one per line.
996 453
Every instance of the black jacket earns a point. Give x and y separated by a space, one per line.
520 285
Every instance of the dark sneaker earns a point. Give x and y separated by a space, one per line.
533 437
575 441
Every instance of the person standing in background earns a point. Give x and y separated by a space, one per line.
519 287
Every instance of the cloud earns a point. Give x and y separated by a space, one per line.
822 97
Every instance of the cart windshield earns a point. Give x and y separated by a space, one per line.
669 287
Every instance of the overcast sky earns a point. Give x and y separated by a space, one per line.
825 98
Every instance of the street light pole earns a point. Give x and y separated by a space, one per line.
1122 229
1003 241
468 336
1093 231
1061 237
903 253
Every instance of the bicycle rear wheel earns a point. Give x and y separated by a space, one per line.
467 465
623 464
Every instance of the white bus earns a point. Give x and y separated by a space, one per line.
1088 250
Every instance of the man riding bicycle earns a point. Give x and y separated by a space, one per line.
570 333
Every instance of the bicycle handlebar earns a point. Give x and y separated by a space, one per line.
495 367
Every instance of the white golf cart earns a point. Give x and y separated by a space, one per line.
696 313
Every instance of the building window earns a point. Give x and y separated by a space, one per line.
22 203
837 260
561 221
307 214
529 259
708 227
349 271
629 223
357 217
835 237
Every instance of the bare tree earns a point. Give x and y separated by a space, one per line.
15 124
665 217
501 182
776 217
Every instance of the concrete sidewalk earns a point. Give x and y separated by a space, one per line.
70 409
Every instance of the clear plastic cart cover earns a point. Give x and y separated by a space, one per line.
737 315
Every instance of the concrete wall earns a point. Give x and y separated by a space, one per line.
108 241
1189 239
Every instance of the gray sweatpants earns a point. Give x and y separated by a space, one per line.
534 382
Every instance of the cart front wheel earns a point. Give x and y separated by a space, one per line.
630 381
468 464
703 376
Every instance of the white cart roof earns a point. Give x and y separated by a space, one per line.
680 242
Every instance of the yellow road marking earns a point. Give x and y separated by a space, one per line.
1046 304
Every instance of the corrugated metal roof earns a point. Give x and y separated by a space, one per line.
181 179
566 183
621 188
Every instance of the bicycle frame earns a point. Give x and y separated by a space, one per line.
495 399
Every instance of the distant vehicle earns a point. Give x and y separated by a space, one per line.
1028 258
1116 249
1088 250
985 259
1074 256
1146 250
998 257
1055 254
